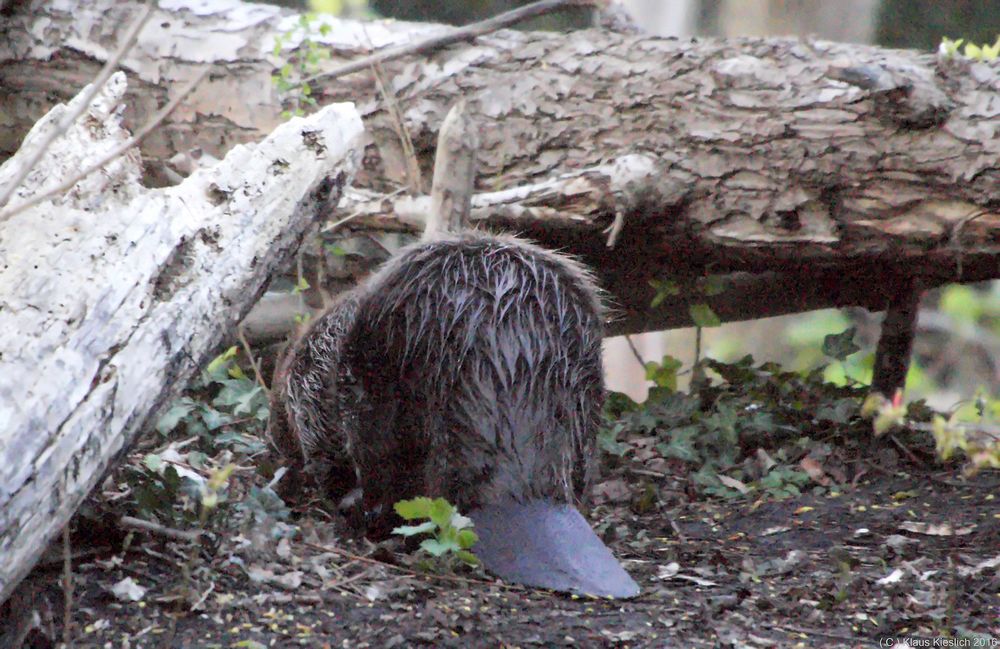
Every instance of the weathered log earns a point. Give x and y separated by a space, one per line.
807 159
113 295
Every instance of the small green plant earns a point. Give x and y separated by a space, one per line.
450 533
975 434
950 49
222 413
701 313
721 427
157 489
305 37
224 408
664 374
290 79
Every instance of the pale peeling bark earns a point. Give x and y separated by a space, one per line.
112 296
808 160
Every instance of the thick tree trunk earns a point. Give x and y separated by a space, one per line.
112 296
806 160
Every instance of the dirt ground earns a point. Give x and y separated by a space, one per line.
901 555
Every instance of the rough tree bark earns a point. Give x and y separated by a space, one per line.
823 168
112 296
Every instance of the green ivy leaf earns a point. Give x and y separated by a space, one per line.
607 440
177 412
681 444
214 419
664 289
219 367
466 539
441 512
415 508
840 346
197 459
467 558
840 411
713 285
460 522
438 548
664 373
703 316
410 530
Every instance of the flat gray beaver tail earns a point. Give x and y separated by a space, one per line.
477 362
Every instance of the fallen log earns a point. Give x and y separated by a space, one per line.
112 295
804 158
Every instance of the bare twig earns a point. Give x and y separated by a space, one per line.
67 588
410 571
413 175
355 214
815 633
906 451
649 473
454 173
67 120
457 35
253 360
635 352
615 229
139 136
155 528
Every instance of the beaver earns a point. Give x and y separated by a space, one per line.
468 367
306 427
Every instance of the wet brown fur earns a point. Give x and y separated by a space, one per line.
470 369
306 428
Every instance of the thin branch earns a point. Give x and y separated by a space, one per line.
411 572
67 120
190 536
635 352
253 360
615 229
816 633
355 214
67 588
457 35
413 175
113 154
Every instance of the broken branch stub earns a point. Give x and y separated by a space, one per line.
454 173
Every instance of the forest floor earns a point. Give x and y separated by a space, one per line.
892 555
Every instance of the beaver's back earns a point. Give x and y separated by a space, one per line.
478 357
